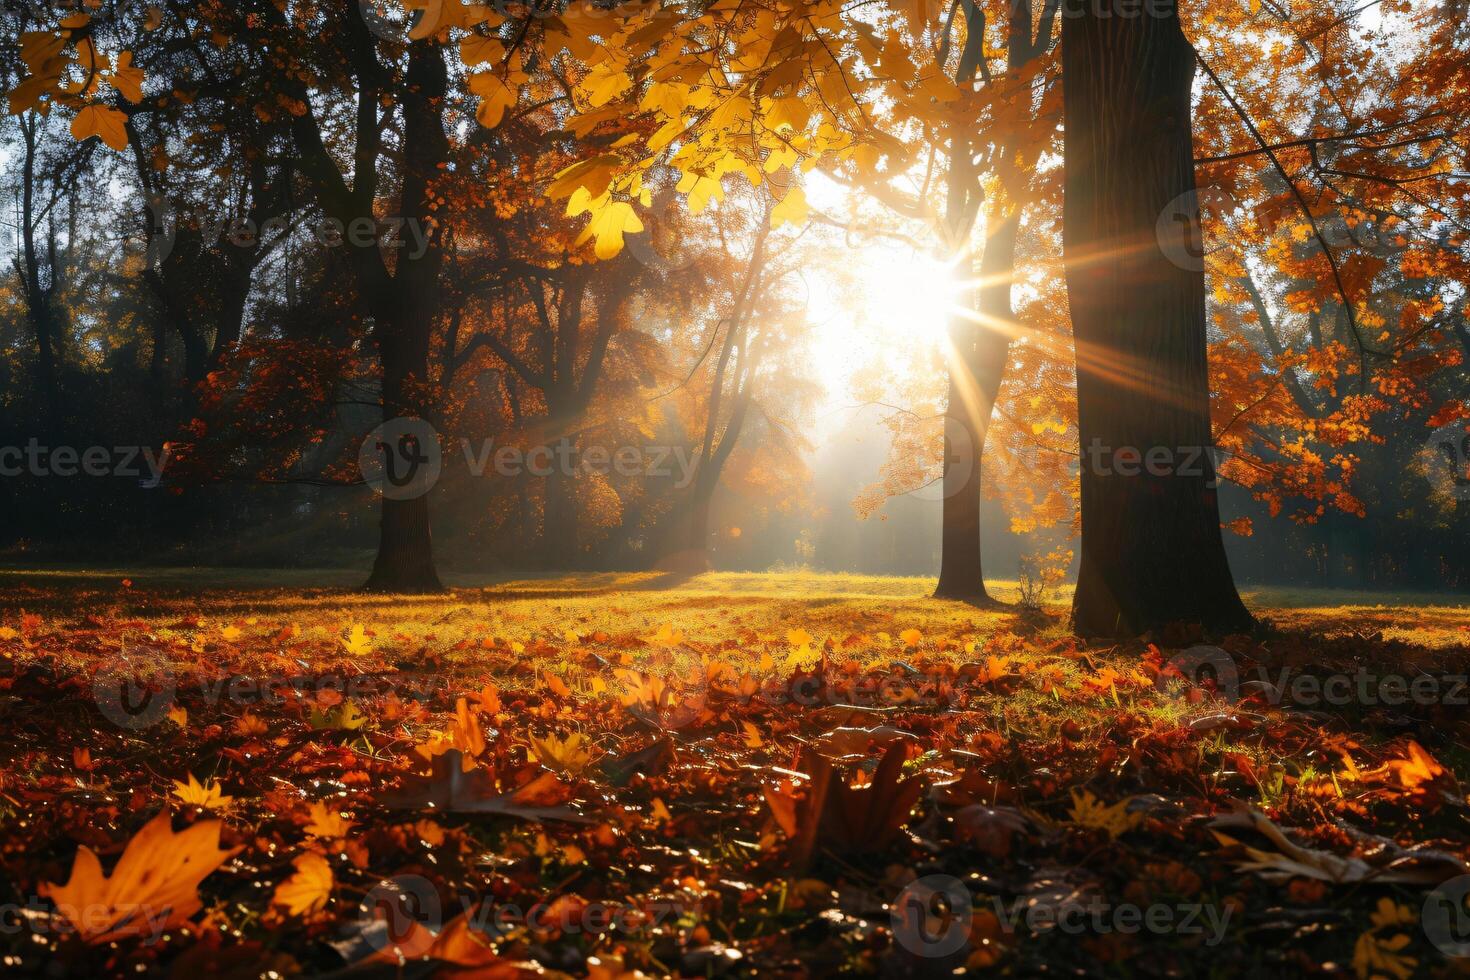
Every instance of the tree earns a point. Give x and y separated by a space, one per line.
1152 551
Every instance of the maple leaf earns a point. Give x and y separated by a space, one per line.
666 636
346 718
1374 956
325 822
477 49
307 890
1089 812
611 220
250 725
458 944
104 122
452 788
357 643
207 795
497 96
791 210
798 638
127 78
1417 769
568 755
153 887
592 175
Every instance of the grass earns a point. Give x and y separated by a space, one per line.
685 693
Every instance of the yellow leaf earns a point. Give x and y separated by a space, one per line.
604 83
568 755
357 642
666 636
496 97
752 736
308 889
593 175
792 209
207 795
1087 811
101 121
158 874
477 49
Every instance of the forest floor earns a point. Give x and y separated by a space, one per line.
625 775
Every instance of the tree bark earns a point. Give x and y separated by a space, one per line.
980 344
404 320
975 374
1152 550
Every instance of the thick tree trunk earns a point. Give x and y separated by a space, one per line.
405 561
405 312
1152 551
559 540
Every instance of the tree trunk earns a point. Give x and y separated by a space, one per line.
559 541
404 316
40 310
1152 551
405 561
975 374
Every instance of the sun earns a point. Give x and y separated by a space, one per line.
889 298
909 296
